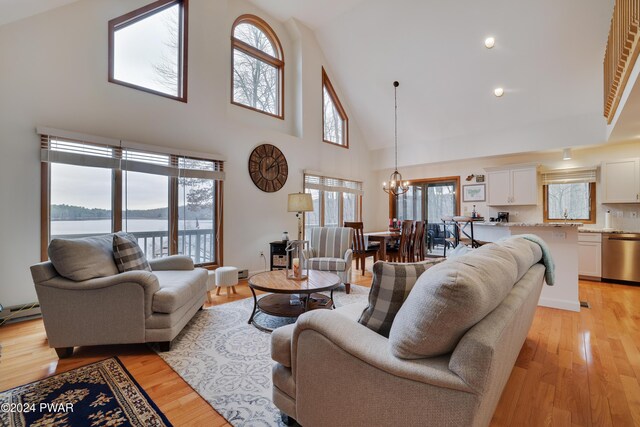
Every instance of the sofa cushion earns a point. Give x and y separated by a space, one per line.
390 287
459 250
448 299
128 254
525 252
83 259
352 311
177 287
327 264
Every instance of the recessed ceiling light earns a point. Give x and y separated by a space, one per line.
498 92
489 42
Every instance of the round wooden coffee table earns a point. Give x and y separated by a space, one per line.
279 303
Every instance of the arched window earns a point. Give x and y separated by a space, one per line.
257 67
335 120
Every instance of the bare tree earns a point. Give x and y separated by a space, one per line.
255 82
167 72
332 120
572 199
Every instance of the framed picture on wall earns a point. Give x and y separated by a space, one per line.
473 193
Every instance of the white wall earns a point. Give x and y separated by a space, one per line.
54 73
551 160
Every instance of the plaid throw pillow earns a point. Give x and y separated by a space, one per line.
128 255
390 287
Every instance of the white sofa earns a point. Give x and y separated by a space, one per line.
332 370
107 307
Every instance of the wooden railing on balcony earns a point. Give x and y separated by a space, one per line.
622 51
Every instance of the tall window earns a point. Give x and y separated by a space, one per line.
170 202
148 49
569 195
334 201
257 67
335 121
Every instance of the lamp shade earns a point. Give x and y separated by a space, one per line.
300 202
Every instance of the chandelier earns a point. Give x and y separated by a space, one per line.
396 185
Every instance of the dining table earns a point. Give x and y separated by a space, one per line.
383 237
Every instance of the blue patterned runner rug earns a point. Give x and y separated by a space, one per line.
99 394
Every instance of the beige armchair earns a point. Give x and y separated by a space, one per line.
130 307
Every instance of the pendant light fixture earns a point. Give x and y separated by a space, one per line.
396 185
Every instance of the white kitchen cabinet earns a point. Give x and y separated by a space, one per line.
499 192
621 181
590 255
512 186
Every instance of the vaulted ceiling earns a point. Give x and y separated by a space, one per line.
14 10
547 57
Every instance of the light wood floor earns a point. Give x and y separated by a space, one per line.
575 369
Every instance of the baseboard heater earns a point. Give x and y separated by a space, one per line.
17 313
243 274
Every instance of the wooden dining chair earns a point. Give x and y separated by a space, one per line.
451 235
417 242
361 251
402 252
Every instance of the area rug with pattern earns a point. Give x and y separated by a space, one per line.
99 394
228 362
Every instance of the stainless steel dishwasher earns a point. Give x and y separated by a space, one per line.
621 256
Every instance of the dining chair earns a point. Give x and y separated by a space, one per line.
402 251
461 229
361 251
451 236
464 224
417 242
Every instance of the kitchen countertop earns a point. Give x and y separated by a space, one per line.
601 230
530 224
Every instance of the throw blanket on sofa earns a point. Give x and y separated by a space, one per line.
547 259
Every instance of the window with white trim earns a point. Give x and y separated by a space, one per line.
335 201
170 201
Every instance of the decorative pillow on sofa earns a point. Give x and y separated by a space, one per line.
449 299
128 255
83 259
391 284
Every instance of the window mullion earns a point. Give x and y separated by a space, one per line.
174 203
340 208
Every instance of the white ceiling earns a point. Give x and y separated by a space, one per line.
548 57
14 10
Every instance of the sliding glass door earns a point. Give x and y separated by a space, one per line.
430 201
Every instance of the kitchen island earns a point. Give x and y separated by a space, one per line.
562 239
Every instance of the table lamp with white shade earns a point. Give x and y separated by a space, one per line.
299 203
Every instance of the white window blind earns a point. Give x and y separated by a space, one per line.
80 150
570 176
325 183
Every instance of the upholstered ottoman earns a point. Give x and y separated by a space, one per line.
226 277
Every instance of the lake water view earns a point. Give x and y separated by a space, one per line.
103 226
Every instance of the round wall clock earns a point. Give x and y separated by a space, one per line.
268 168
